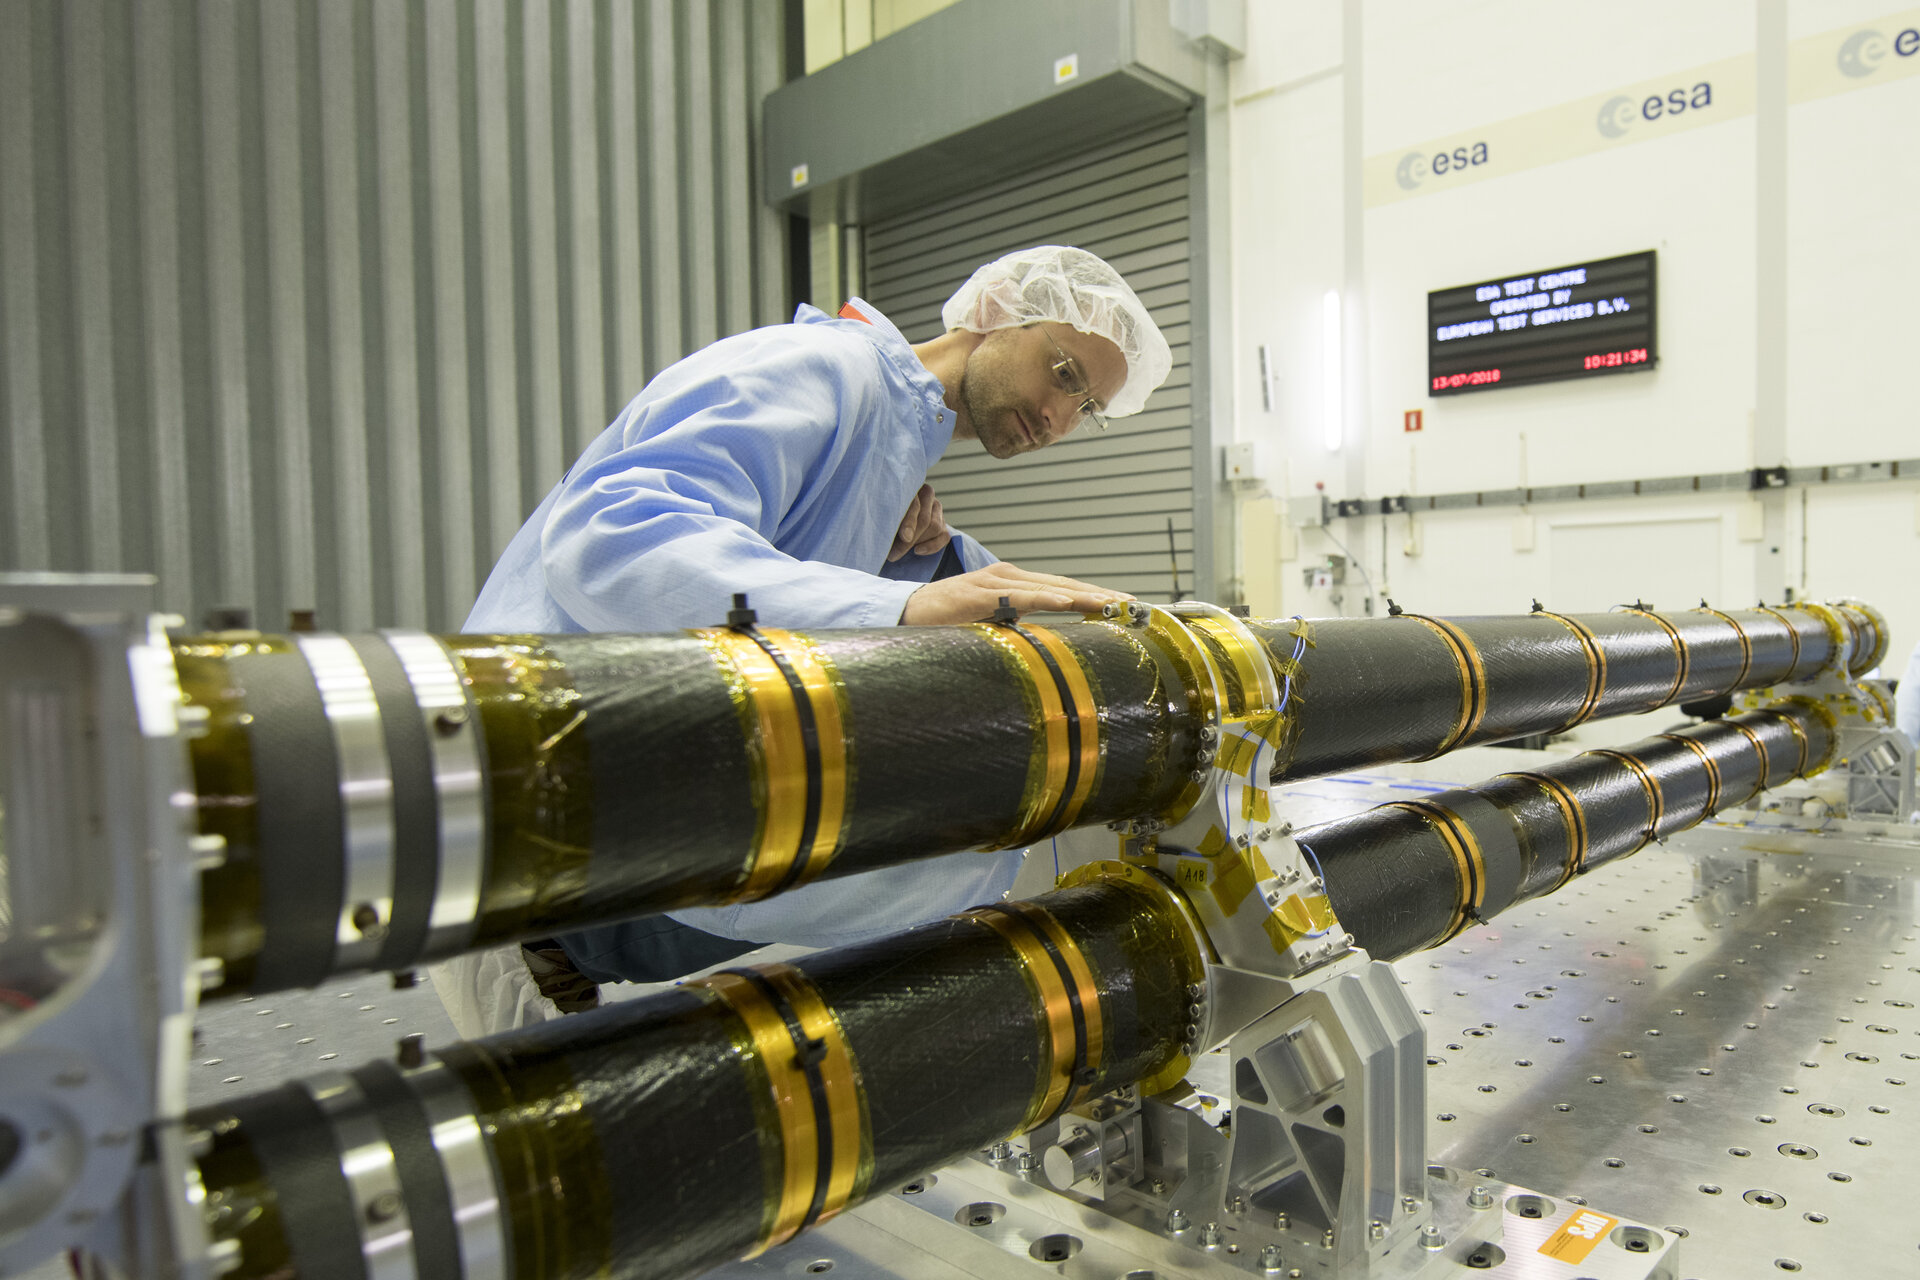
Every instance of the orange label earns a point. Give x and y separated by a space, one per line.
1574 1241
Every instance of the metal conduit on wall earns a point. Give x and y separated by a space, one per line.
307 305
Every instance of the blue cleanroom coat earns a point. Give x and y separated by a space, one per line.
777 462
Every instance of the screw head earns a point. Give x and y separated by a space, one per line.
412 1050
384 1207
1177 1221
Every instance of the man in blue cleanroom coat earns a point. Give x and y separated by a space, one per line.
790 463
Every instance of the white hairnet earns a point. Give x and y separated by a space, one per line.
1072 287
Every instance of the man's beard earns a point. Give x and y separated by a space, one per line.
992 419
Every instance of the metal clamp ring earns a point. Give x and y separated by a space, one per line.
366 797
467 1164
453 731
372 1177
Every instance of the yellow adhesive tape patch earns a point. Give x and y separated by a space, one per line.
1232 884
1236 754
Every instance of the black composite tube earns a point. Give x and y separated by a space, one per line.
607 777
762 1100
577 780
1412 874
663 1136
1371 691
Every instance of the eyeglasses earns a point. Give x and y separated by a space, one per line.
1066 372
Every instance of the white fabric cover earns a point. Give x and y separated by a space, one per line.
1072 287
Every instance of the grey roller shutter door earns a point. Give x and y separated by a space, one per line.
1092 506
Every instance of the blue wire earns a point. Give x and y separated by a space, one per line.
1299 647
1316 863
1056 859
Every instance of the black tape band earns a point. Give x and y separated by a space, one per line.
416 817
808 1054
810 744
302 835
423 1183
1073 729
1498 872
294 1143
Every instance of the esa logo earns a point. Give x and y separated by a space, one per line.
1416 167
1862 52
1619 112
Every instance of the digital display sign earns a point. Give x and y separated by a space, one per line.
1578 321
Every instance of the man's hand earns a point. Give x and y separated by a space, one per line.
972 597
924 530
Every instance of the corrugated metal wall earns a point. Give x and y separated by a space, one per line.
1092 506
306 303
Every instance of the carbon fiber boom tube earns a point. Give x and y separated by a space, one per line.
391 799
760 1101
1378 691
1413 874
662 1136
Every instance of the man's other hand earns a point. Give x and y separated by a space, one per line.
972 597
924 530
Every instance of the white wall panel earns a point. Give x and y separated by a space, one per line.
307 303
1848 256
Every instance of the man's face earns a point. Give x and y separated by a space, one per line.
1011 396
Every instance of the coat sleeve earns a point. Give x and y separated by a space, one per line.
679 505
916 567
